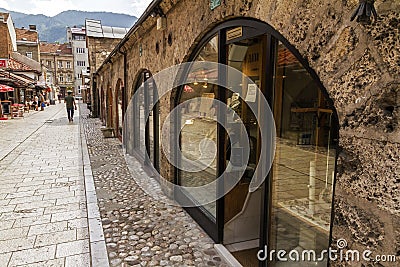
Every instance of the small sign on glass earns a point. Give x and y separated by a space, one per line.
251 93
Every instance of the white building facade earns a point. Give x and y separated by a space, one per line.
77 38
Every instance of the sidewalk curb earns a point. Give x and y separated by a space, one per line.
98 250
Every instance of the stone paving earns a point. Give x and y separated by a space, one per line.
139 230
49 213
43 208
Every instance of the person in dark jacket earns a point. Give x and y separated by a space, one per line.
69 101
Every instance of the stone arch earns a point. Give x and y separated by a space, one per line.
109 107
102 103
271 43
144 134
120 107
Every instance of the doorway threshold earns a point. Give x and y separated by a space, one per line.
227 256
244 245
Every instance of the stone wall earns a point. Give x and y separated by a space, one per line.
98 50
358 65
22 49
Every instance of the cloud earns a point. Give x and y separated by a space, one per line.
46 7
51 8
139 6
4 4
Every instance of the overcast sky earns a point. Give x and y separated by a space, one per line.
53 7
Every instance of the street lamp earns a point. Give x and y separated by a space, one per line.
364 11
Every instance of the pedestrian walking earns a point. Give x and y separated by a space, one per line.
42 103
36 102
69 100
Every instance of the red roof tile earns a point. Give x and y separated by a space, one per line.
26 35
64 49
16 65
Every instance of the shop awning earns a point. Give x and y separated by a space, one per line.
5 88
15 80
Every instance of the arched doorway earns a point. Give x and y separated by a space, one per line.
292 209
102 105
120 107
109 108
146 132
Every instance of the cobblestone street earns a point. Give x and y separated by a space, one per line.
49 212
140 231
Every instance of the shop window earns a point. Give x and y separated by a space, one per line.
242 207
120 111
303 170
152 126
141 138
138 111
199 128
294 211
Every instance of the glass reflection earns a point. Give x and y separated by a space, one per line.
199 127
152 124
120 111
304 164
139 116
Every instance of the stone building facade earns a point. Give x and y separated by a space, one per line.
356 67
100 41
8 42
59 61
77 38
28 42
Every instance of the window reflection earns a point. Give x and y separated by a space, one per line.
242 212
120 111
139 115
304 164
199 127
152 124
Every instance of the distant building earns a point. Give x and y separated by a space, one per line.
20 64
20 69
8 39
28 42
100 41
77 38
58 59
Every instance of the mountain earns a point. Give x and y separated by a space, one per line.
53 29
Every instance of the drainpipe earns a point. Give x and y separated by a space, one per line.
124 96
55 73
95 98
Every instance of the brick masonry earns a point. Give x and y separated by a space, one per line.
5 40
